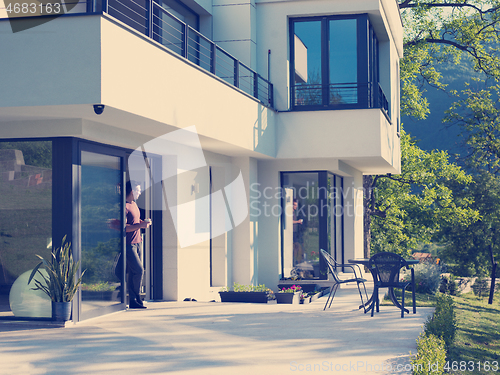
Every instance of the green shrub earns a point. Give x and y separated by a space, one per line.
431 356
480 287
427 277
443 323
449 285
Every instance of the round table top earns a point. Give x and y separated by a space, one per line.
365 261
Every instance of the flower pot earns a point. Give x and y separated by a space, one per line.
251 297
61 311
305 300
315 296
288 297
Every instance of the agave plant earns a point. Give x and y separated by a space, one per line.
61 283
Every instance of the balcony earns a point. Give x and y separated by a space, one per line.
340 96
153 21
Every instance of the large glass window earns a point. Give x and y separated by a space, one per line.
25 225
334 63
312 220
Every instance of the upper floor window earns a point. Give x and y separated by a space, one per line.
334 63
182 12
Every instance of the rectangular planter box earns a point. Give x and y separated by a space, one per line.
314 297
249 297
306 300
288 298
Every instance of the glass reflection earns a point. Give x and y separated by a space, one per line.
343 62
301 232
313 220
307 62
101 217
25 224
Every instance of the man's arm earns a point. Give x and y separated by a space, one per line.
134 227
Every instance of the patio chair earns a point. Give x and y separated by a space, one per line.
332 266
386 268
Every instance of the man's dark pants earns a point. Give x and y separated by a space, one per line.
134 269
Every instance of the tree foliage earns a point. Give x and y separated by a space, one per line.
434 200
445 31
476 114
413 207
467 245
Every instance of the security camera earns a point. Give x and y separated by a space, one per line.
98 109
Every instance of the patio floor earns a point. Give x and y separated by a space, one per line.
221 338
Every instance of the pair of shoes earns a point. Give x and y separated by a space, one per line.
135 305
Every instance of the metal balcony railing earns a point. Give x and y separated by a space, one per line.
152 20
149 18
339 95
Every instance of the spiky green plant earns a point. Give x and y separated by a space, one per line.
61 283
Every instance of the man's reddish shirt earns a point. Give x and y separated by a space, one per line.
133 217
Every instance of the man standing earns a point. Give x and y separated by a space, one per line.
133 227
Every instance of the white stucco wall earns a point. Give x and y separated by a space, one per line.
57 62
92 59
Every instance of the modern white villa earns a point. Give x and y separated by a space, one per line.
228 113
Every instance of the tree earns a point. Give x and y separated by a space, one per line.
413 207
441 32
476 114
467 245
437 32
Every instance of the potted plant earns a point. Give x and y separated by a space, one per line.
246 293
289 295
61 283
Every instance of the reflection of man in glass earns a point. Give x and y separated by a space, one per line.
133 228
298 234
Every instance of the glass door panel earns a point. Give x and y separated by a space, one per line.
302 208
101 231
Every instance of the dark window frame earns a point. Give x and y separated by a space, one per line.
331 247
367 70
66 185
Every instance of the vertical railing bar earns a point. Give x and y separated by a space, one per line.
256 85
149 19
271 94
185 41
213 57
105 6
236 73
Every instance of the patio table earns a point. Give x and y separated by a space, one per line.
392 296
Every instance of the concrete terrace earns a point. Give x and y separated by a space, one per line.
220 338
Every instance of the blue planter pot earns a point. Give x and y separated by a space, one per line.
61 311
290 298
253 297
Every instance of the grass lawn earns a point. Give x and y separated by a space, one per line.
477 340
478 337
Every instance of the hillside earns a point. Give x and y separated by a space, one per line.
431 133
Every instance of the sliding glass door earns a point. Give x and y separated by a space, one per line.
312 220
101 232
